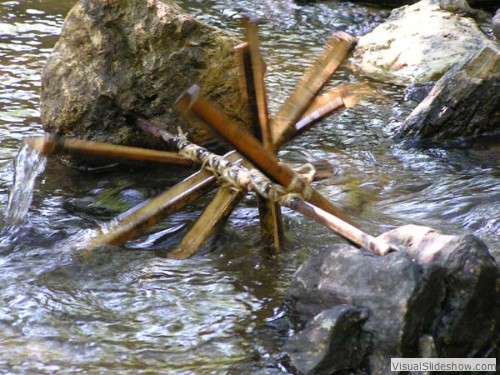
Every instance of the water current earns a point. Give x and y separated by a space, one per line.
128 310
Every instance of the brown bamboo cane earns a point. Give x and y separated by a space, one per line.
251 68
337 49
188 190
139 218
346 230
316 213
193 103
50 144
257 81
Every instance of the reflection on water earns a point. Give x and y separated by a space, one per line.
121 310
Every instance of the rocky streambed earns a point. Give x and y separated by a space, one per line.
227 303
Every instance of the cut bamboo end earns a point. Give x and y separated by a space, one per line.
184 103
349 99
343 36
44 145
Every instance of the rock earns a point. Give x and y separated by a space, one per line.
464 103
332 342
495 25
469 314
140 55
401 51
416 92
489 5
401 295
438 297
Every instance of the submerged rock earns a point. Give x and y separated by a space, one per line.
340 328
464 103
118 56
421 42
439 296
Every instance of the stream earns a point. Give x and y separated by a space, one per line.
130 310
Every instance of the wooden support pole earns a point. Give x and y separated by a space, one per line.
49 144
192 103
309 85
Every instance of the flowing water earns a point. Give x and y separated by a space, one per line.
128 309
28 165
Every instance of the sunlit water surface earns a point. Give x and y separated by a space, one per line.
129 310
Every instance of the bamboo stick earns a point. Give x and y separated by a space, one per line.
247 88
141 217
257 78
50 144
350 232
138 219
309 85
248 146
217 211
192 103
252 82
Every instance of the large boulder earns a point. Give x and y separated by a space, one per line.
438 297
464 103
115 57
421 42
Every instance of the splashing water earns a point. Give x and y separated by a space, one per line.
28 165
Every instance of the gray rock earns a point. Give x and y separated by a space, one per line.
400 51
438 297
140 55
402 296
495 24
467 323
464 103
332 342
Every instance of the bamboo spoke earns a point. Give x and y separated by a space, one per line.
309 85
256 70
138 219
207 224
252 73
50 145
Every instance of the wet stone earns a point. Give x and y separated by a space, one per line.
439 295
450 36
118 57
464 103
332 341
